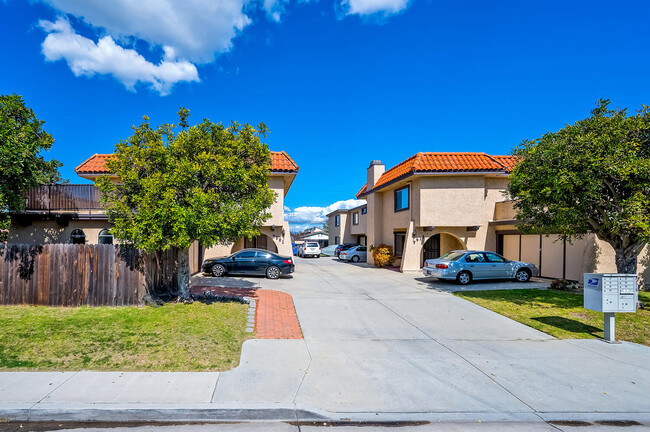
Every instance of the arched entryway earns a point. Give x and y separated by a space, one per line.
440 244
262 241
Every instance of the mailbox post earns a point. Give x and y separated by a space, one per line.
610 293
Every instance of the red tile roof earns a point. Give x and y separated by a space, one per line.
96 164
362 191
443 162
508 162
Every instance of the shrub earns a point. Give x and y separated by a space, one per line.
563 285
383 255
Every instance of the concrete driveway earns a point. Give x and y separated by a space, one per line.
378 346
381 344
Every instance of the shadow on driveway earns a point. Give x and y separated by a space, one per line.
482 285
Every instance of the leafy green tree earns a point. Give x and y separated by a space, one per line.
22 165
589 177
205 182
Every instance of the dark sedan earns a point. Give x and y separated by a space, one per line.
343 247
250 262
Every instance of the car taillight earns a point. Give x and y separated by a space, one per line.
288 262
442 266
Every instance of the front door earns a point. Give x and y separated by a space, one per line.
431 249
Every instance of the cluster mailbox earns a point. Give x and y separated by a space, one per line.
610 292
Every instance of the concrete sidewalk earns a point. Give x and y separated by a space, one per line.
379 346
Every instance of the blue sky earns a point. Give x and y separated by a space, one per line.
339 83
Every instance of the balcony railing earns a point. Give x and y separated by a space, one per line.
64 198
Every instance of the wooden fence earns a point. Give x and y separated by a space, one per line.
77 275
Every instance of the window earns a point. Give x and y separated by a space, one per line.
337 220
361 249
355 218
245 255
400 239
475 258
78 237
364 210
105 237
492 257
336 240
402 199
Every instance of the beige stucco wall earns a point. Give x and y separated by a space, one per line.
45 232
362 226
282 242
343 230
448 203
276 184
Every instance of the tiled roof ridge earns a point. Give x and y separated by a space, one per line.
423 162
94 166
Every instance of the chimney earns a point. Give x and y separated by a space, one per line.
375 170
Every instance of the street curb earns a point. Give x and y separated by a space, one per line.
207 412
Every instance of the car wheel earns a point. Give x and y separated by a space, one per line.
464 278
355 258
522 275
218 270
317 256
273 272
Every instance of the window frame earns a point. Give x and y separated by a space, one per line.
105 234
408 198
355 215
78 234
364 210
337 220
401 251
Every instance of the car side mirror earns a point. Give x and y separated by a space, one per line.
233 258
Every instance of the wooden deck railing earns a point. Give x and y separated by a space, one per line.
54 198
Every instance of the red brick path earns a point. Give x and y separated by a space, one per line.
275 315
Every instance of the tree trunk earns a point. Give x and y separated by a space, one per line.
183 273
626 261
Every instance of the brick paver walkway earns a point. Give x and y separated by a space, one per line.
275 314
275 317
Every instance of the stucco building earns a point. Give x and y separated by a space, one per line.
73 214
433 203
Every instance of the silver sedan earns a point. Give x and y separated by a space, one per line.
466 266
354 254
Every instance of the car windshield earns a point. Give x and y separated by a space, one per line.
312 244
452 256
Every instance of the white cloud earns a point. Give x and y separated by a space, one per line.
370 7
275 8
195 29
87 58
304 217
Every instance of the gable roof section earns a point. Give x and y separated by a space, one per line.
362 191
96 164
430 162
508 162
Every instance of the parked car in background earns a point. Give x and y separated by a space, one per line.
310 249
344 246
465 266
328 250
250 262
354 254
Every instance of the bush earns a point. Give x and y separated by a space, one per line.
564 285
383 255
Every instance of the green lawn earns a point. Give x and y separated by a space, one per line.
561 314
174 337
